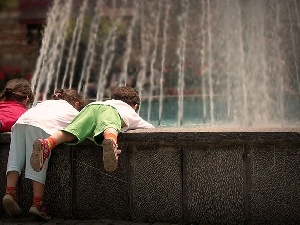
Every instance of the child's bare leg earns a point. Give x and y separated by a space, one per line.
62 137
37 208
110 133
10 199
12 178
38 189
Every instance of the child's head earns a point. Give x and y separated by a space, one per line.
71 96
127 94
18 90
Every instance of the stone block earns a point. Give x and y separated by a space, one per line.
213 181
155 182
97 193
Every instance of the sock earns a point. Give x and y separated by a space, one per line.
111 136
51 143
10 189
37 200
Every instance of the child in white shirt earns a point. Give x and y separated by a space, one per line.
39 121
101 121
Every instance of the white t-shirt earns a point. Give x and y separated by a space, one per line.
127 113
49 115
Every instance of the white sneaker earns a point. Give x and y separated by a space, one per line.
10 204
40 212
110 155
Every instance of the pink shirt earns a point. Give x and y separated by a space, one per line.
10 111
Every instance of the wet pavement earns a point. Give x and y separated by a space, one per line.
33 221
54 221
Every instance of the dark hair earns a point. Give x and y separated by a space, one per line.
71 96
126 94
17 90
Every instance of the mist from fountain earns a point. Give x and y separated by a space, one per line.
195 63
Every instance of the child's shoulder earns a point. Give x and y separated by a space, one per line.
10 103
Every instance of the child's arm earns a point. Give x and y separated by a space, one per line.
134 121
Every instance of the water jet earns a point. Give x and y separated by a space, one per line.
219 80
227 63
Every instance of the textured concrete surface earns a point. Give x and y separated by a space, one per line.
197 175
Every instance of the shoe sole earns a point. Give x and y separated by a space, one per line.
110 162
35 159
34 212
11 207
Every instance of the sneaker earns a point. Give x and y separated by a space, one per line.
39 211
10 204
110 155
40 153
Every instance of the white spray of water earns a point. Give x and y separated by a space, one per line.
91 48
123 77
56 49
153 72
61 40
209 63
163 56
50 48
141 76
237 46
294 48
71 61
109 46
202 56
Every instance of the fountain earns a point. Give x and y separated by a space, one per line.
220 81
195 63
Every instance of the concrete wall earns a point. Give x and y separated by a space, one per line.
176 175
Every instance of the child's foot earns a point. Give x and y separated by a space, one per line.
10 204
110 155
39 211
40 153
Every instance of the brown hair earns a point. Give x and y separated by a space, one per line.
71 96
17 90
126 94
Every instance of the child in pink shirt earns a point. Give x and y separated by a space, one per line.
15 99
